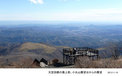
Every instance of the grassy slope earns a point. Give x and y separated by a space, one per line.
24 54
35 46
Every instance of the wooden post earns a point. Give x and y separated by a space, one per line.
66 60
74 59
63 57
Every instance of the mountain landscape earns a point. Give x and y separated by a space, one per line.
61 35
14 56
21 44
48 36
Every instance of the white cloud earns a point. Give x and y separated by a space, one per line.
42 1
70 0
89 15
37 1
110 15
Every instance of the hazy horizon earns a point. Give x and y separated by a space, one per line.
62 10
21 22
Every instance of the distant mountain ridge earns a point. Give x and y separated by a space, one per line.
61 35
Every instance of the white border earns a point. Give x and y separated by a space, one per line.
45 72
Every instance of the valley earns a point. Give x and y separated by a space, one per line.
21 44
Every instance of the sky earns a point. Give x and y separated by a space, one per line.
61 10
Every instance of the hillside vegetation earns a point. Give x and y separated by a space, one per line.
84 62
22 55
35 46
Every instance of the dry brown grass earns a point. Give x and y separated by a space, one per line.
19 63
33 46
85 62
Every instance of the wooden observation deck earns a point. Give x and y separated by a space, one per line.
70 54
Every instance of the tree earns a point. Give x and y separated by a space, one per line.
114 49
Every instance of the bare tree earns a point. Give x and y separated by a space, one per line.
113 49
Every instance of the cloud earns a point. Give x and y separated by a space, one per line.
95 15
89 15
42 1
37 1
69 0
